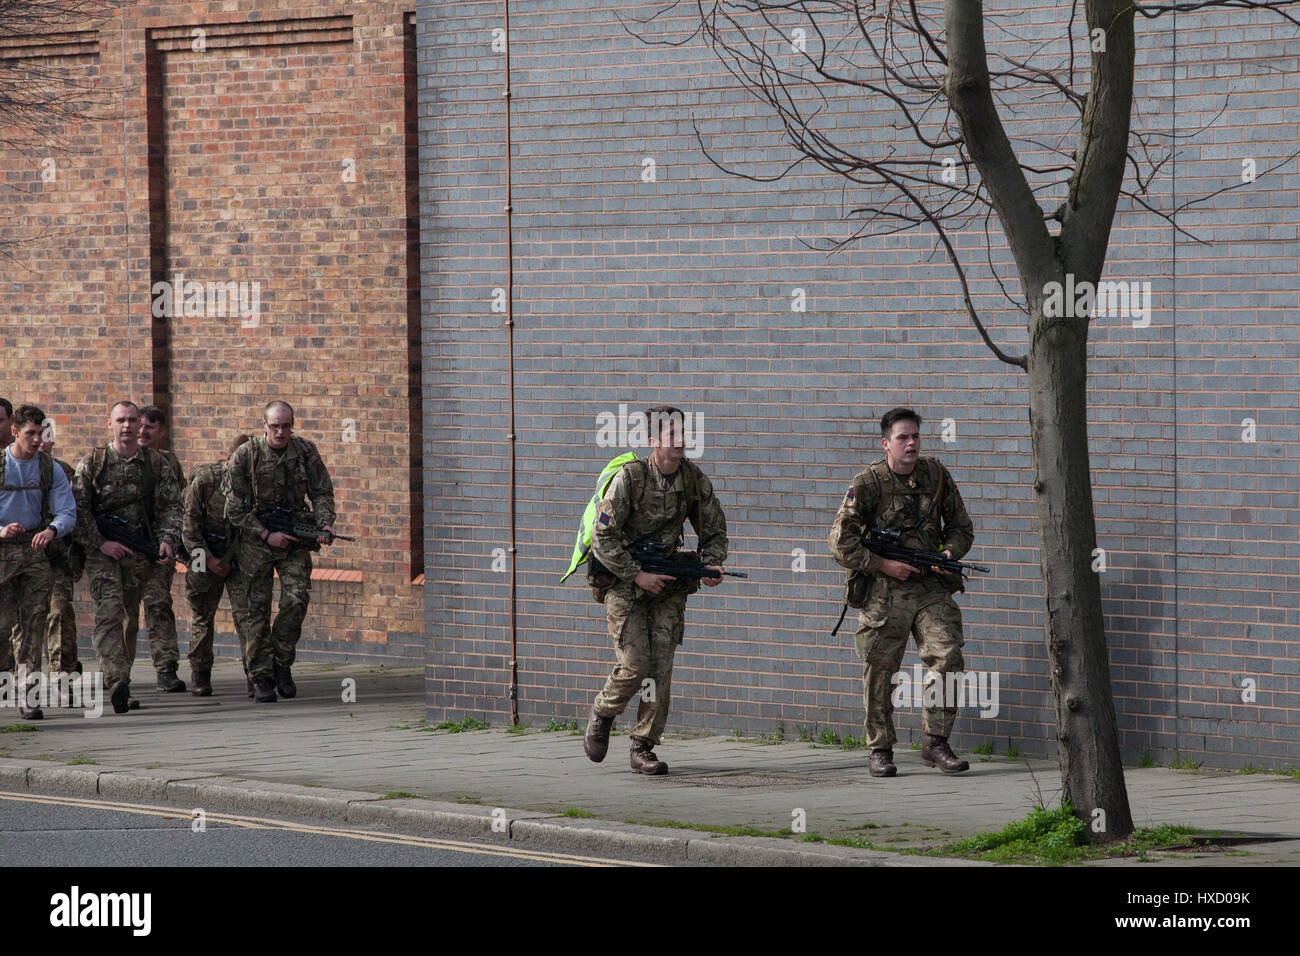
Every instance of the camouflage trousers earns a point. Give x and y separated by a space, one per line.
24 602
268 644
117 586
203 591
159 618
61 625
646 631
895 610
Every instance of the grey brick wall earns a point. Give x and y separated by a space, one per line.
680 290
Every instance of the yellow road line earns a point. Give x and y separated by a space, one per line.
371 836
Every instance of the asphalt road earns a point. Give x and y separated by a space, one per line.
44 830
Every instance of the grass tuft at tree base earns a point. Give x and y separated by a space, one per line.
1056 837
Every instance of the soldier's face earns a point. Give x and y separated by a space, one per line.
670 445
279 428
152 434
28 438
124 424
903 445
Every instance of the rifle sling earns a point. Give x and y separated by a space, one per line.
843 611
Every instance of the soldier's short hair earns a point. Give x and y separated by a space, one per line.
4 403
28 415
895 415
278 403
124 404
236 442
658 418
154 414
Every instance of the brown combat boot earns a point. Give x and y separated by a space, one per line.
595 743
881 763
935 752
34 712
284 682
644 759
201 683
169 683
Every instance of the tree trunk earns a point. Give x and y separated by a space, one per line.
1088 745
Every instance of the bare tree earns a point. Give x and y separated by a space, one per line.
934 71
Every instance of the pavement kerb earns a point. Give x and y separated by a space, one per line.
196 790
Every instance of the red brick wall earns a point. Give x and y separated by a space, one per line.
267 151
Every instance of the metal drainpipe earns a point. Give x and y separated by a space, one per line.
126 211
510 353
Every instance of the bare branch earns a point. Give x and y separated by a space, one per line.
1102 154
893 51
969 92
650 19
1153 10
1020 361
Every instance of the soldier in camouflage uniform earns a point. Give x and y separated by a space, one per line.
649 499
276 468
67 565
159 617
917 497
36 507
204 516
137 483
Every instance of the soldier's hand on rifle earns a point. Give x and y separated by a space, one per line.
330 539
654 583
277 540
165 553
11 530
897 569
42 539
714 582
115 550
940 571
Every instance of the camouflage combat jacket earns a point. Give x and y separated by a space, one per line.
904 503
641 504
204 511
258 477
68 553
113 484
176 466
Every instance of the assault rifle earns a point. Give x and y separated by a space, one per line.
220 544
216 542
885 543
655 558
279 519
115 527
